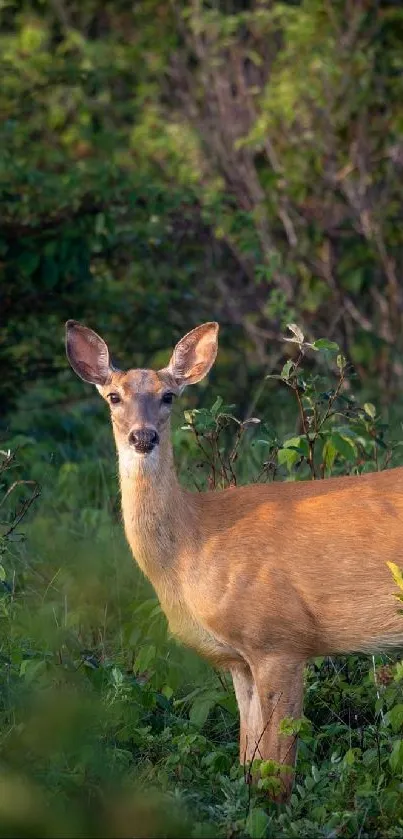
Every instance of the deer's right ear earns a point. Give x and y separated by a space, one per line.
87 353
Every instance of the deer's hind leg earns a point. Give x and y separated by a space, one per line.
266 693
280 686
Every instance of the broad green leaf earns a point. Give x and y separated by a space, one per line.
32 668
292 450
256 823
144 658
343 445
299 443
396 758
315 773
201 708
288 457
395 717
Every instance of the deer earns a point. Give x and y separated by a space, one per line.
260 578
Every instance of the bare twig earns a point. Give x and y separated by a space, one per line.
23 510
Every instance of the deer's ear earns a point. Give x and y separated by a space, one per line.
87 353
194 355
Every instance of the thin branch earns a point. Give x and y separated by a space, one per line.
23 511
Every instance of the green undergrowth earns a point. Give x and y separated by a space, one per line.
108 727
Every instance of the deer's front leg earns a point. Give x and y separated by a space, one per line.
251 721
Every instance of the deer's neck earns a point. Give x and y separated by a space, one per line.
155 512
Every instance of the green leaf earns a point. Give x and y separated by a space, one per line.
370 409
343 445
167 691
395 717
324 344
351 756
354 280
315 773
256 823
272 785
302 726
299 443
268 767
287 369
32 668
341 361
292 450
217 405
288 457
117 676
145 657
201 708
28 262
396 758
396 573
329 453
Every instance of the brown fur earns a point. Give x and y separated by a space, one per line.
260 578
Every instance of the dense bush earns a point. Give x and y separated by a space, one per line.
170 162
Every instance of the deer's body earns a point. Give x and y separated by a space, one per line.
259 578
293 568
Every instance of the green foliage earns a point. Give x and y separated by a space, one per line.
338 434
163 164
105 722
119 199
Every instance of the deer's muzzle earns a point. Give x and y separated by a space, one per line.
143 439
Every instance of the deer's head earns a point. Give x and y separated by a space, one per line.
140 400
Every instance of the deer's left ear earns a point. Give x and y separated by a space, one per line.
87 353
194 355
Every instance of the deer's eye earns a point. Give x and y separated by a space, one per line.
167 398
114 398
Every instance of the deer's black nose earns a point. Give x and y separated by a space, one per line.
143 439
